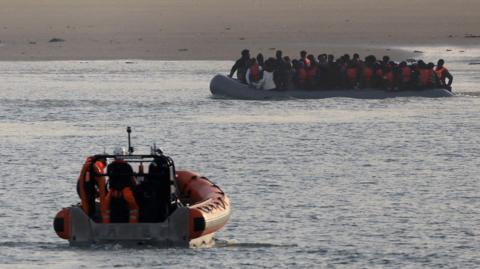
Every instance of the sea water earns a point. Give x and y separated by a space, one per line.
332 183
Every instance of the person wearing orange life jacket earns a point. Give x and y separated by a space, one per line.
120 204
254 72
405 76
443 74
351 74
367 72
427 76
367 76
300 76
91 184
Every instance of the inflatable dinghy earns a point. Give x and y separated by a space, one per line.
194 211
224 86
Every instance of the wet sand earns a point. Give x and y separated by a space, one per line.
218 30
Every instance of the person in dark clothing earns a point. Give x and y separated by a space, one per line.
241 66
443 74
333 73
289 70
280 74
322 71
154 193
261 60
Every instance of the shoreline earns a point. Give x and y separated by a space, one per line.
396 52
218 30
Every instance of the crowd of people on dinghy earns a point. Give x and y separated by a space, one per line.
346 72
125 197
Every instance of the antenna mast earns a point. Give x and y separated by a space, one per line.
130 148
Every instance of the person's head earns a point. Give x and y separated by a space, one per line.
245 53
370 59
252 61
270 64
303 54
346 57
421 64
278 54
331 58
440 63
386 59
430 65
356 56
119 151
286 59
403 64
311 58
260 59
322 58
295 63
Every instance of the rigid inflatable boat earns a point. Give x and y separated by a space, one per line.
224 86
197 209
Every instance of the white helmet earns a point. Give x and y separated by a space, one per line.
119 151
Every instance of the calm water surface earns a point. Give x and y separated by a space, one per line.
334 183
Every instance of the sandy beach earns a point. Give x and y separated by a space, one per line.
218 30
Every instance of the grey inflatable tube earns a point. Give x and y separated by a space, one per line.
224 86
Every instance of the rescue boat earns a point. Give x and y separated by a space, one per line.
197 209
224 86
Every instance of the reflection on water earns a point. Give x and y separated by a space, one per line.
314 183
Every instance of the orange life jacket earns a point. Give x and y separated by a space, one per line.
426 77
352 73
86 177
440 72
255 73
389 77
367 73
406 74
127 195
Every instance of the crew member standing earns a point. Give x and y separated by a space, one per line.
241 66
443 74
91 184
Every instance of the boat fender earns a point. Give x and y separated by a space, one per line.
61 223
